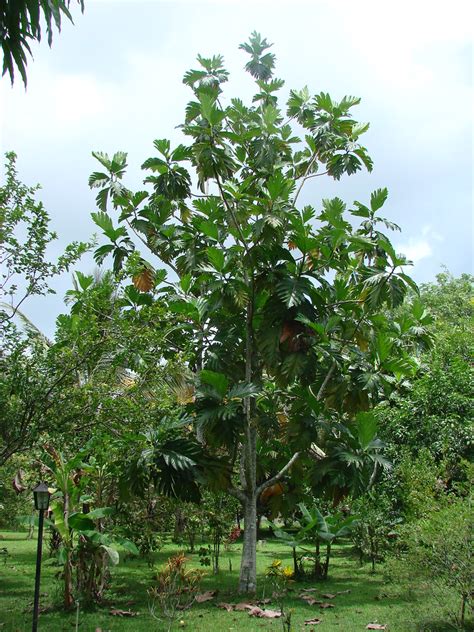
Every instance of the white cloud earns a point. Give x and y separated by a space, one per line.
75 98
55 105
418 248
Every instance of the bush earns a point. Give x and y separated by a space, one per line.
420 486
438 557
175 589
375 529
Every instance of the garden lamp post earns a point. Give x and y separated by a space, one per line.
41 495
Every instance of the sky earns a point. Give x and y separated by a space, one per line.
113 81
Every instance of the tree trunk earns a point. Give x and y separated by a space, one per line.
326 563
295 563
68 588
179 525
248 474
317 560
248 565
462 615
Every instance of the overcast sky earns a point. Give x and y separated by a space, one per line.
113 81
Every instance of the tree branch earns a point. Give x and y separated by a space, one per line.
316 175
237 493
373 476
326 380
305 177
232 214
274 479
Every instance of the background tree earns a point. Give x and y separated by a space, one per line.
272 295
434 415
21 24
90 377
25 235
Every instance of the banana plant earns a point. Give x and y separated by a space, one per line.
84 547
319 530
324 530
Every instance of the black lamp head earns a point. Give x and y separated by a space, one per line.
41 495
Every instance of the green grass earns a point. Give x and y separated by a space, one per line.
367 602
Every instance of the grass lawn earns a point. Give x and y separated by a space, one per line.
367 601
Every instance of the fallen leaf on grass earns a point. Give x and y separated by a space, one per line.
344 592
311 601
226 606
313 621
327 605
267 614
328 595
307 590
123 613
243 606
205 596
376 626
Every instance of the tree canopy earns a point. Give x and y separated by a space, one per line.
288 309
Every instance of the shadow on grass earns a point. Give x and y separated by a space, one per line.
439 625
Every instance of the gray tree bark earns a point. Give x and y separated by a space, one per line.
248 564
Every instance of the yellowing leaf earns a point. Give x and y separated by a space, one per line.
143 281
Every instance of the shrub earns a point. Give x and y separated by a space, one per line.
174 590
438 557
374 531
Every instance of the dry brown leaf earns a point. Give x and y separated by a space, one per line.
326 605
311 601
328 595
313 621
226 606
243 606
267 614
376 626
205 596
143 281
115 612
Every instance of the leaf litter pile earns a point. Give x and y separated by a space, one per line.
254 609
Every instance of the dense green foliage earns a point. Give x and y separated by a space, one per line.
287 311
437 555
